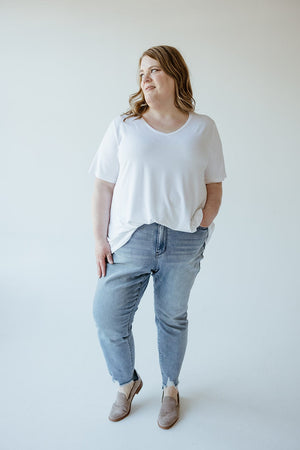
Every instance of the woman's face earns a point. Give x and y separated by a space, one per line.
161 85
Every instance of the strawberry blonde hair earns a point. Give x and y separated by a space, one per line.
174 65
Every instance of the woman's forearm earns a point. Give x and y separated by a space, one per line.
213 203
101 203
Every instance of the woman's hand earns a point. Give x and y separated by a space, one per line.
103 251
206 220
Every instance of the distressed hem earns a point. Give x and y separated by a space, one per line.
169 383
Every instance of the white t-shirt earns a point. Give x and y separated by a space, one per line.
159 177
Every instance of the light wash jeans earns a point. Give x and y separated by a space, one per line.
173 259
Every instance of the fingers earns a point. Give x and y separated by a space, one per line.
102 264
110 258
100 268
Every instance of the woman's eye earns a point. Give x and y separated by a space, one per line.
143 74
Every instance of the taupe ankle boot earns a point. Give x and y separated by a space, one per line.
169 411
122 405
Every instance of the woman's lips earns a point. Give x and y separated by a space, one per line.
149 87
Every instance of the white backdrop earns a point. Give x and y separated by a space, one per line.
67 69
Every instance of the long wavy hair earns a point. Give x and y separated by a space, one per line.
175 66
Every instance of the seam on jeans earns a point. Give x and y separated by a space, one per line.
161 355
205 241
201 256
158 339
130 320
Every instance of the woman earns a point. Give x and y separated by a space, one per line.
158 187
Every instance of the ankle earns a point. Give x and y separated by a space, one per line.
126 388
171 391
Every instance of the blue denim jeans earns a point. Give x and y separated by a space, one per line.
172 258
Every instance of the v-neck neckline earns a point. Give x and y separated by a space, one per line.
172 132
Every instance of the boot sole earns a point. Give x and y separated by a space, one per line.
170 426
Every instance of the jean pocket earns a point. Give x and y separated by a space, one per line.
202 228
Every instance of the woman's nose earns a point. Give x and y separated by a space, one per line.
147 76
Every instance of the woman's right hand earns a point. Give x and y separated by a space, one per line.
103 252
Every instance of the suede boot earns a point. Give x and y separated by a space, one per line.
169 411
122 405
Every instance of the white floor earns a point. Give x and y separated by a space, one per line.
57 395
239 384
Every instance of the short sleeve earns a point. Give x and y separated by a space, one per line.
105 164
215 170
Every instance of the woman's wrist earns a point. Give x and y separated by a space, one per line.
100 240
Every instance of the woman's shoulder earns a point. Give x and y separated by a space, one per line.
119 120
201 117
